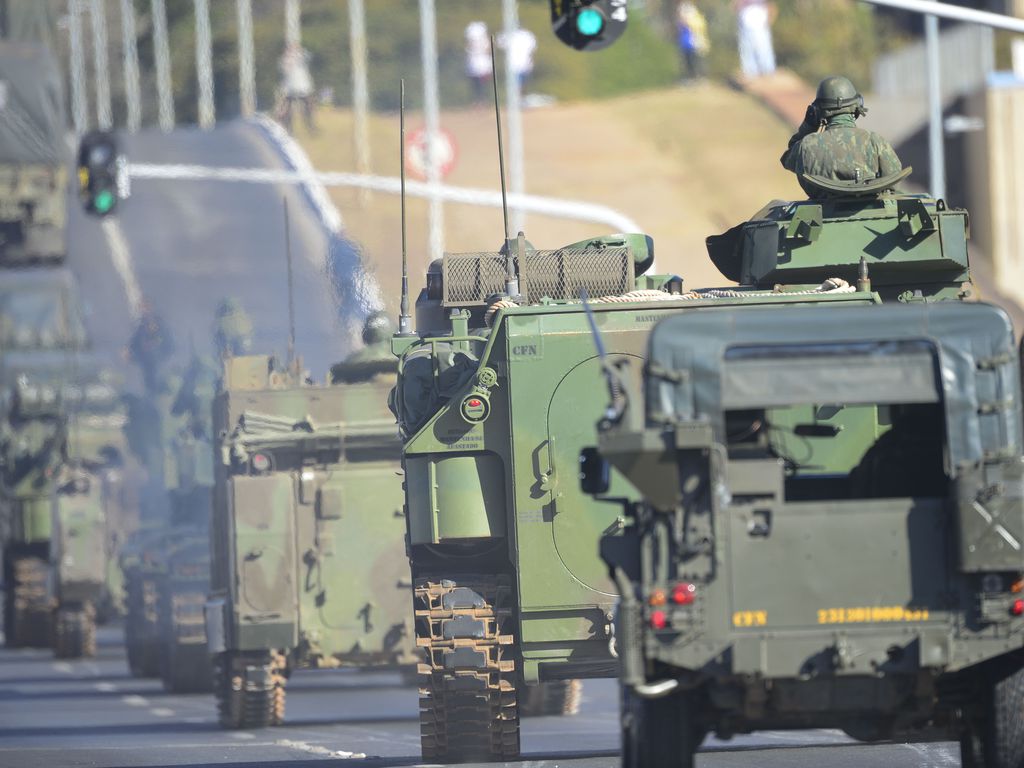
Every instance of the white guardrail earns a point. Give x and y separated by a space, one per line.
549 206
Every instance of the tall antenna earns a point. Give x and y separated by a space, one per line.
511 277
291 295
404 319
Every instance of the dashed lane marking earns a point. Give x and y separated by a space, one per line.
122 259
62 666
105 687
319 750
162 712
135 701
242 736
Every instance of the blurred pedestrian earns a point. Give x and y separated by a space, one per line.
519 45
296 85
478 60
754 27
692 39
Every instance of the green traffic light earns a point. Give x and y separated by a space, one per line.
589 22
103 201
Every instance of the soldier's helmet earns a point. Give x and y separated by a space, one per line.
838 96
377 328
232 329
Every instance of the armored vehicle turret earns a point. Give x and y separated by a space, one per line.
830 529
33 154
308 567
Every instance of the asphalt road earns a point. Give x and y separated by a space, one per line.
188 244
92 713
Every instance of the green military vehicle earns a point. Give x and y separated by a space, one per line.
41 335
140 564
33 155
831 529
509 589
308 566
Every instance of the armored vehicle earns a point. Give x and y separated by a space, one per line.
493 400
41 336
33 177
830 531
308 566
139 565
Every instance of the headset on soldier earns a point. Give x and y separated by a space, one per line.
836 96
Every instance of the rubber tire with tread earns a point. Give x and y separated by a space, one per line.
74 632
241 708
999 727
659 733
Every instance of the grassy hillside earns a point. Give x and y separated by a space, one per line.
683 163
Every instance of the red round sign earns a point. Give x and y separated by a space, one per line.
444 152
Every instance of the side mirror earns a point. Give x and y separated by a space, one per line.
595 472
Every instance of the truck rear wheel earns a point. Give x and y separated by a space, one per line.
468 685
1001 732
185 665
27 607
659 733
74 634
552 697
250 689
139 635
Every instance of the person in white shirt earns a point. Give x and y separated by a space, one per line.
519 46
296 85
478 59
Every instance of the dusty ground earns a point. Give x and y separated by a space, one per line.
683 163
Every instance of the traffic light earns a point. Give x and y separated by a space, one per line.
588 25
98 166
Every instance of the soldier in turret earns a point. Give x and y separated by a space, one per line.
232 329
829 144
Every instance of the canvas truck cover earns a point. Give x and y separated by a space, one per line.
32 118
962 354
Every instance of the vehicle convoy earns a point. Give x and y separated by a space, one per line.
33 154
41 339
832 499
494 399
308 566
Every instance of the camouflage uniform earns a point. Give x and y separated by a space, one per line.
829 143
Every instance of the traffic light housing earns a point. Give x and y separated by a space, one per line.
98 168
588 25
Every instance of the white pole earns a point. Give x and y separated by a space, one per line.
431 114
162 55
130 51
104 118
360 91
79 105
516 175
292 22
246 59
936 144
204 63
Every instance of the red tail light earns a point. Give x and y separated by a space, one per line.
684 593
1017 608
659 619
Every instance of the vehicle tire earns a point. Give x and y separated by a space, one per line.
27 606
250 689
1002 737
139 634
74 635
468 684
552 697
659 733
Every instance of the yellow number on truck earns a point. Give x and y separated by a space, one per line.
750 618
871 614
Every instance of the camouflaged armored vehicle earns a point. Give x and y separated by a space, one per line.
495 398
308 565
33 176
41 338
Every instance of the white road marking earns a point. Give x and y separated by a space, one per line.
242 736
61 666
135 701
937 755
105 687
122 259
162 712
317 749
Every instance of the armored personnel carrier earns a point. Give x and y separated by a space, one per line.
33 176
308 567
493 398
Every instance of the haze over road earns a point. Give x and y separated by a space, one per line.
192 243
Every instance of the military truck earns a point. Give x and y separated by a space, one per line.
830 532
41 337
308 567
493 398
33 176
